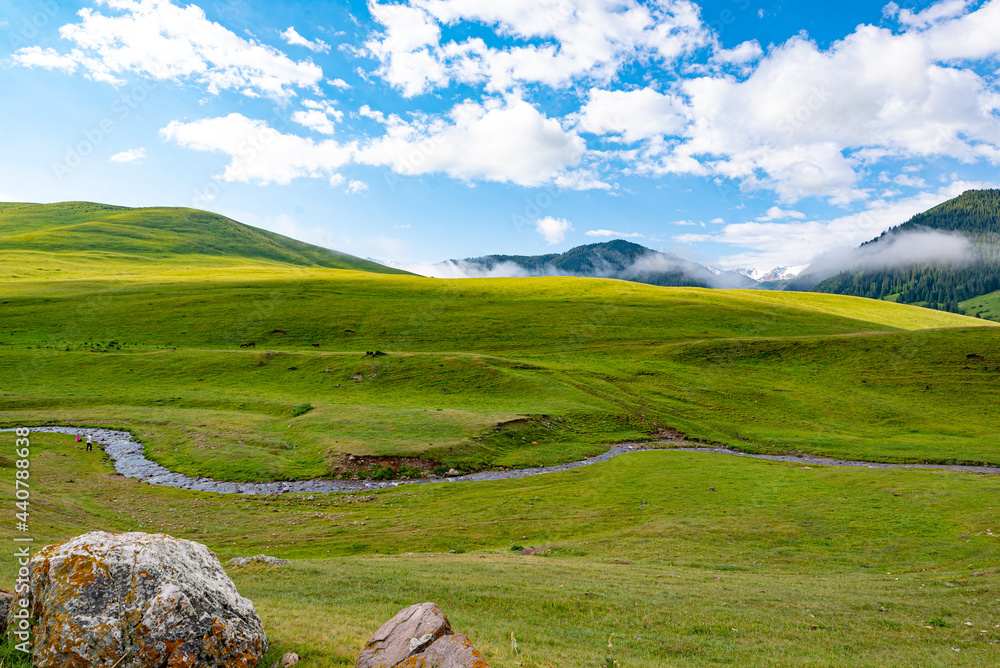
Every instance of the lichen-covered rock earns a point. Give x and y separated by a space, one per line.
6 601
454 651
411 631
139 600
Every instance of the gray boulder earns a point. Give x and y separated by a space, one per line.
419 637
139 600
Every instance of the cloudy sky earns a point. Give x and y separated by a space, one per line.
731 132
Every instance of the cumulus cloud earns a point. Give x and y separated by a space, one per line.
632 115
508 141
553 230
160 40
134 156
295 39
258 153
318 116
553 42
356 187
777 213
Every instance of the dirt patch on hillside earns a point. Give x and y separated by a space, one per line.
371 467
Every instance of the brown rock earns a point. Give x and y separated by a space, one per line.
410 632
454 651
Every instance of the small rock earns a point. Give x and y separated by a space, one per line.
287 659
452 473
261 558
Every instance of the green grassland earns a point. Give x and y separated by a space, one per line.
780 565
135 319
478 371
984 306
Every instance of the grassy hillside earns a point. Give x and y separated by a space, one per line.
477 372
115 233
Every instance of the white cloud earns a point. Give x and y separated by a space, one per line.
936 13
356 187
159 40
257 152
909 181
577 40
740 54
553 230
777 213
806 120
633 115
295 39
505 141
772 244
338 83
134 156
318 116
612 233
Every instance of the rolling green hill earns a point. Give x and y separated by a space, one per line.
948 286
479 370
121 233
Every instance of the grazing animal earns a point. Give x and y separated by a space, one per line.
279 331
315 345
251 344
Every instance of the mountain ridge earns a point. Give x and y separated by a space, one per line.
618 259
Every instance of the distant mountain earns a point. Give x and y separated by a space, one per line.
158 232
776 274
939 258
613 259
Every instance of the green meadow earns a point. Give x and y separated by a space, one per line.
143 320
688 559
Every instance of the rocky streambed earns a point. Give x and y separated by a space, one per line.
128 458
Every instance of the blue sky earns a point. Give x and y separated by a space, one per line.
731 132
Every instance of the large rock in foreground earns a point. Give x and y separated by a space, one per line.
141 600
419 637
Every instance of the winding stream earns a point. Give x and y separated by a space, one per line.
129 460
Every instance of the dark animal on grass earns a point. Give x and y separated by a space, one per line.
279 331
249 344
